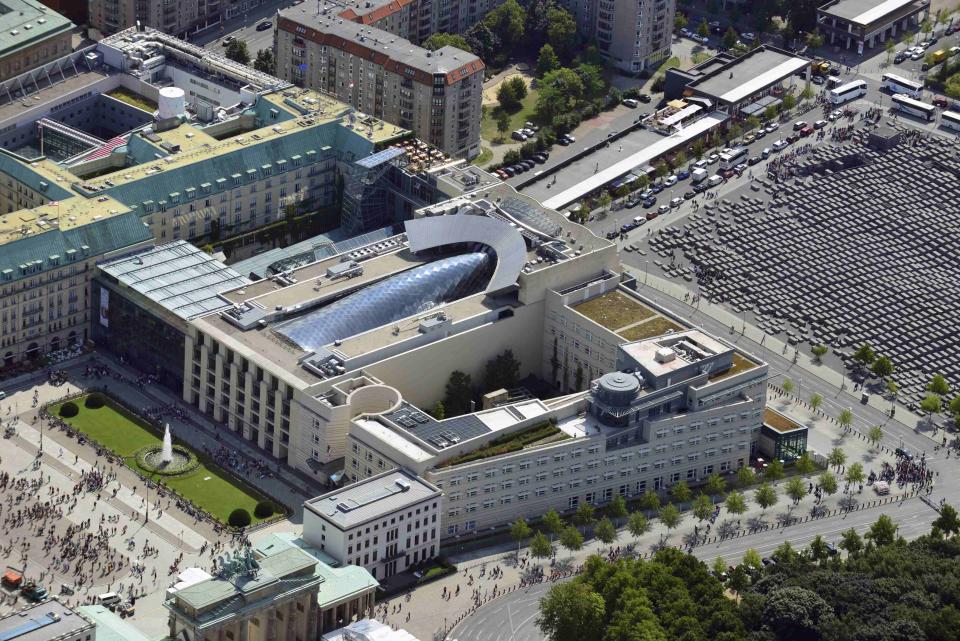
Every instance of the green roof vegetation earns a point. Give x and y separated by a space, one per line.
534 435
133 99
208 486
740 364
779 422
648 329
614 310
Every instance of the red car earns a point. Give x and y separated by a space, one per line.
806 131
941 102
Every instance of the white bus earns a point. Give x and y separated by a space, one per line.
732 158
914 107
950 120
895 84
847 92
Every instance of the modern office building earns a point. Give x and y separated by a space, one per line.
31 34
865 24
47 621
386 523
437 94
741 86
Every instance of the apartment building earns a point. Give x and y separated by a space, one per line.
436 94
634 36
386 523
170 16
31 35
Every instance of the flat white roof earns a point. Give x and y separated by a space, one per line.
783 70
861 11
399 443
638 159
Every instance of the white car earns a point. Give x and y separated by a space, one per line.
765 153
779 145
820 124
700 164
676 202
916 55
771 128
834 115
670 180
713 158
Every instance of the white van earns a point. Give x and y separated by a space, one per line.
109 599
699 175
715 180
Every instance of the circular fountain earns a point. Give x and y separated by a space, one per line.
167 459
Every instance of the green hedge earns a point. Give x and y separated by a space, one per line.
239 518
264 509
95 401
69 409
507 443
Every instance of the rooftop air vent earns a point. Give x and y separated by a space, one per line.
665 355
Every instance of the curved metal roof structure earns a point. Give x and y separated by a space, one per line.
504 240
404 294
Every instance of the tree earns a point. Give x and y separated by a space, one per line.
702 507
926 26
738 579
681 492
730 38
892 388
503 123
439 40
237 51
773 471
265 61
752 559
805 464
519 532
845 419
828 482
571 611
818 351
552 523
459 394
547 60
796 489
605 200
931 405
507 97
502 372
816 401
439 411
787 386
571 539
605 531
795 613
540 546
864 355
883 532
851 542
770 112
698 149
955 408
485 43
715 484
507 21
814 40
882 367
584 515
938 385
890 47
818 549
855 473
670 516
617 508
703 29
947 523
560 92
735 503
719 566
637 524
789 102
745 476
875 435
680 21
650 501
837 457
765 495
562 32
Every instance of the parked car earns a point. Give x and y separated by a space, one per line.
817 80
508 171
501 174
644 98
765 153
940 101
657 188
676 202
519 136
263 26
713 158
649 202
753 160
683 174
633 103
900 57
687 195
820 124
780 145
715 27
670 181
806 131
227 40
748 37
916 55
797 126
760 133
792 139
663 209
749 138
772 127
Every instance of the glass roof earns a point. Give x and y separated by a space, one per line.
411 292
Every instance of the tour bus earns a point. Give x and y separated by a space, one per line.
895 84
914 107
732 158
950 120
848 92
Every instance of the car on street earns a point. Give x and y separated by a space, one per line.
817 80
657 188
940 101
670 181
700 164
571 138
820 124
701 187
633 103
806 131
687 195
713 158
227 40
676 202
646 193
701 39
662 209
649 202
771 128
760 133
263 26
740 168
683 174
753 160
748 36
501 174
900 57
632 202
835 70
834 115
508 171
519 136
780 145
644 98
765 153
916 55
792 139
749 138
797 126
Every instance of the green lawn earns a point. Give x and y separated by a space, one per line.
209 486
488 126
485 155
133 99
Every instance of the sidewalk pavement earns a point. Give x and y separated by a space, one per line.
428 621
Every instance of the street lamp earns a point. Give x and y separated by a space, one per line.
646 270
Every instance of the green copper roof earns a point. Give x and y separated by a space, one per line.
26 22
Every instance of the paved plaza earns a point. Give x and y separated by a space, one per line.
72 519
859 249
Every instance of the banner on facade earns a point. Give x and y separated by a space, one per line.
104 306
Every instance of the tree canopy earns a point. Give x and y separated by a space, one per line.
439 40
